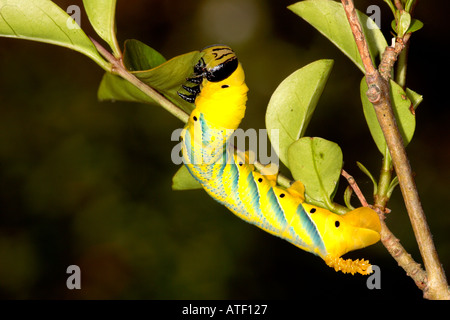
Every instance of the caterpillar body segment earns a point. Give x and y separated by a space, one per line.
229 178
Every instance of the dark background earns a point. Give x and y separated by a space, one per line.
89 183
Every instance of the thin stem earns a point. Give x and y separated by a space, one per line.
378 95
115 47
119 69
105 65
389 3
381 197
403 258
400 75
398 4
355 187
410 6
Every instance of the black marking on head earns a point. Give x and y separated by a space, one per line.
337 224
218 63
282 195
225 86
222 71
312 210
260 180
227 50
195 118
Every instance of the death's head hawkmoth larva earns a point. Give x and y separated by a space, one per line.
220 94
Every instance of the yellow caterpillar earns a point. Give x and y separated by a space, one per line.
220 94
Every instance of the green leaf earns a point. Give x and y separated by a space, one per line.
101 14
414 97
138 56
44 21
367 172
401 105
114 88
329 18
403 24
166 78
409 4
183 180
392 185
394 25
347 197
317 163
292 104
415 25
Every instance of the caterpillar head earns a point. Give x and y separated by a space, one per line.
221 92
217 64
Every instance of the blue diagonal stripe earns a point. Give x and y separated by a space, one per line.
310 227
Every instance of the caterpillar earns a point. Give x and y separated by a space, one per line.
219 93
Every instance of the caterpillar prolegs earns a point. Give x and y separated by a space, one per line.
219 91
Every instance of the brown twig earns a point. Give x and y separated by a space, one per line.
378 94
390 56
398 4
403 258
392 243
355 187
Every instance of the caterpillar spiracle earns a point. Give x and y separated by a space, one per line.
220 94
